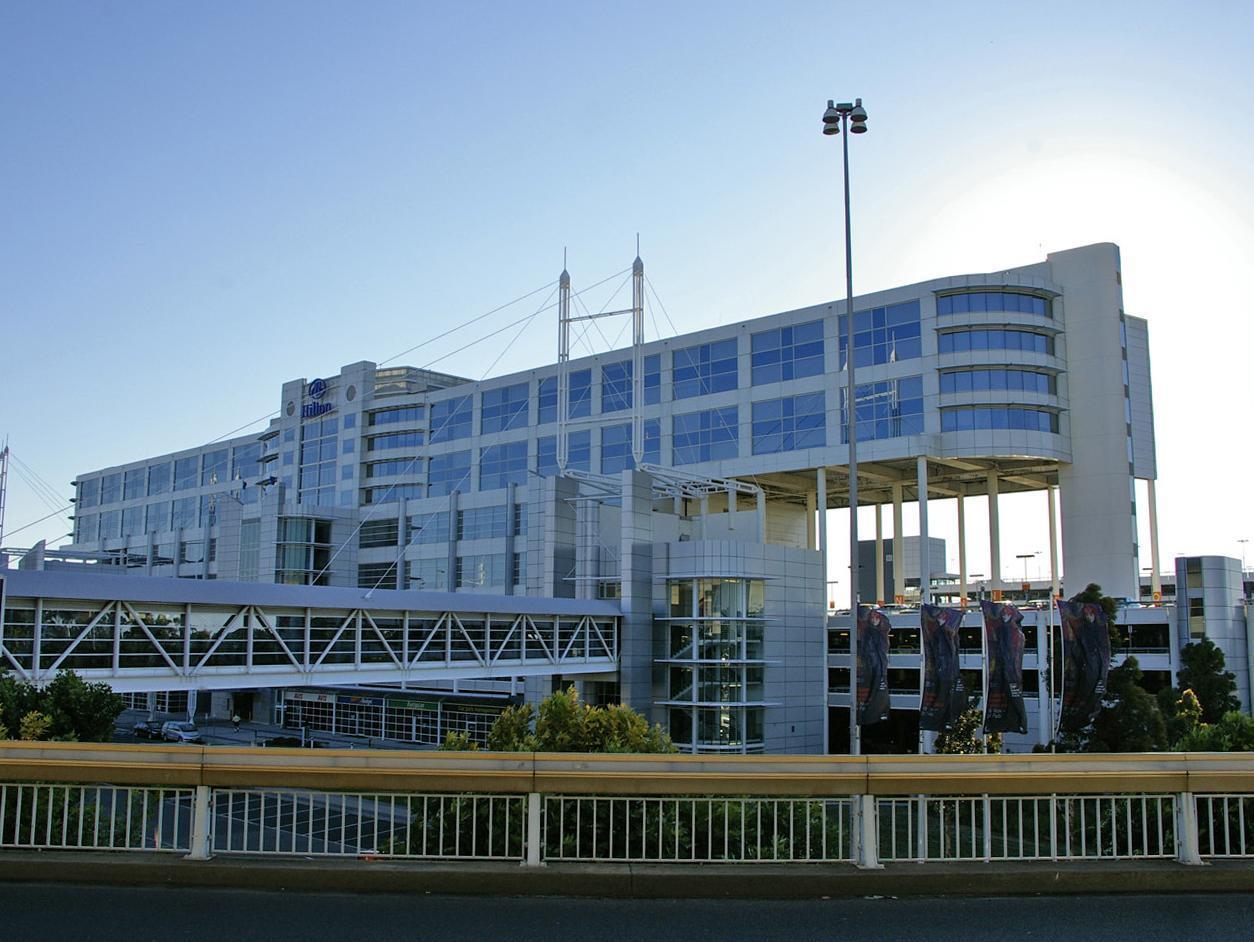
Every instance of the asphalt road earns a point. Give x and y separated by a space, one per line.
137 914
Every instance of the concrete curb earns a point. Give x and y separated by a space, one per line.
646 881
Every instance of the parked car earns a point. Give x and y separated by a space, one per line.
147 729
181 732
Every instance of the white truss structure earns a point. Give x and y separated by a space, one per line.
137 647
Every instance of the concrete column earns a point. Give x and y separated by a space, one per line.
191 706
152 705
994 533
586 546
705 514
925 557
899 546
811 510
402 540
636 553
879 554
761 509
511 500
1054 583
962 552
821 502
451 567
1156 584
731 508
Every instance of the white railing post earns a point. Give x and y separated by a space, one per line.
988 828
921 829
200 848
1187 851
866 855
533 831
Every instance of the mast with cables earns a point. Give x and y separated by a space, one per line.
4 488
563 364
637 357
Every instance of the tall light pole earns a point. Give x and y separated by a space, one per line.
850 118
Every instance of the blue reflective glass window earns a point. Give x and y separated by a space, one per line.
246 462
616 386
653 379
789 424
503 409
546 400
350 421
579 450
704 368
998 418
580 393
448 473
111 523
502 465
787 353
111 488
705 436
89 492
546 456
616 448
616 451
1012 301
157 517
888 409
451 419
133 521
883 335
185 513
133 483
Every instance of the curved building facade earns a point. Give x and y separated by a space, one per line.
969 386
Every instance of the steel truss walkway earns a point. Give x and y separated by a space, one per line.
141 634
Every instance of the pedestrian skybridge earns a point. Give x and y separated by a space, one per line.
142 634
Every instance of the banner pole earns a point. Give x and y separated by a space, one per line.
1057 709
984 674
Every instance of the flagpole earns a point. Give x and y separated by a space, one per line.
984 673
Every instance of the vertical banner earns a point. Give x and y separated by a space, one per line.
944 696
1085 661
873 703
1003 633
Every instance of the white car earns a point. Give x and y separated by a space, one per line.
181 732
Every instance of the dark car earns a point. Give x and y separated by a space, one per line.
146 729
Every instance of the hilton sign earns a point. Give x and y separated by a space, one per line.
311 410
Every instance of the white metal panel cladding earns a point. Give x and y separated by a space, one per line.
203 645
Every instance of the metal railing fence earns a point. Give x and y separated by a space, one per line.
1030 827
36 816
533 808
356 824
1225 825
696 830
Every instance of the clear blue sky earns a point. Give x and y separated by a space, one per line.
199 201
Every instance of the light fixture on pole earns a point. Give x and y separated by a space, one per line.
852 119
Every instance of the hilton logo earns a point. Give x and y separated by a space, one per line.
311 410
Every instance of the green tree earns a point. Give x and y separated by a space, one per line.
34 727
1129 720
1202 671
74 710
1093 593
1181 711
564 723
964 739
1233 733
